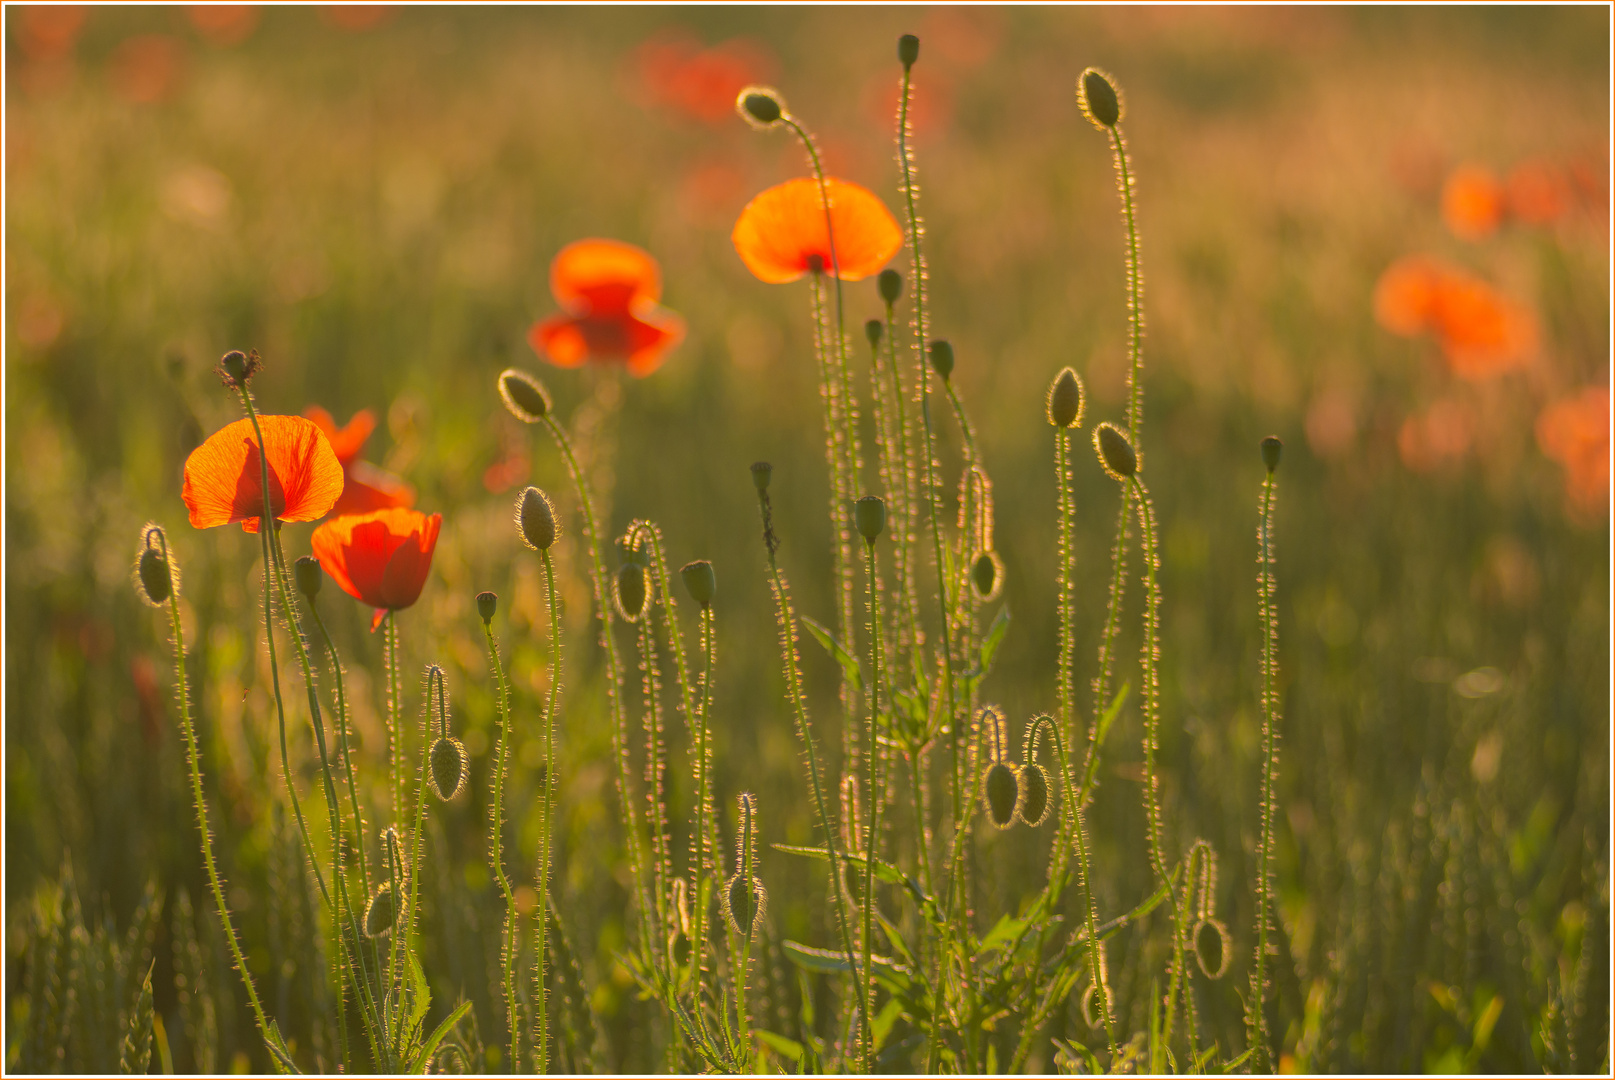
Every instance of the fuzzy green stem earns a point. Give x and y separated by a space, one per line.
872 843
1107 646
511 940
1135 295
1256 1020
544 855
701 839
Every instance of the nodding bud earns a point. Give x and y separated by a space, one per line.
744 903
1066 400
487 604
1002 796
524 395
699 580
987 576
1100 100
535 519
890 284
392 852
1091 1010
632 594
1212 947
381 914
1272 450
761 473
678 942
869 514
760 106
873 329
1116 453
310 576
1032 796
236 368
679 948
908 50
449 768
942 358
154 571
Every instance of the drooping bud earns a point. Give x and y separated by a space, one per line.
632 593
449 768
744 903
535 519
1116 453
890 284
487 604
761 473
942 358
908 50
1212 947
1066 400
310 576
699 580
987 576
869 514
760 106
1099 99
678 943
236 368
156 576
381 913
1272 450
873 329
524 395
1002 795
1032 799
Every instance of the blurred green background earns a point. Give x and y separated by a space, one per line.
371 198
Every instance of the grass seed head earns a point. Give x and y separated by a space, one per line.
890 284
1101 102
1116 452
908 50
1032 799
632 594
535 519
699 580
760 106
156 576
487 605
310 576
869 514
1272 450
1066 401
942 358
1002 795
449 768
524 395
987 575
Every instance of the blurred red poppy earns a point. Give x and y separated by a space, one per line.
1482 332
146 68
49 31
1575 433
674 70
366 487
223 477
1472 202
356 17
1538 192
608 290
781 234
380 558
224 24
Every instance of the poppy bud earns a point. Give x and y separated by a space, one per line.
392 852
908 50
631 591
761 473
744 903
678 944
1091 1011
873 330
987 575
760 106
870 516
1116 454
236 368
309 574
942 358
1099 99
487 604
890 283
154 574
1272 450
449 768
1212 947
1032 794
381 913
1065 403
699 580
1002 795
524 395
535 518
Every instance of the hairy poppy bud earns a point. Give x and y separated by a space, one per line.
535 518
1272 450
487 604
760 106
631 591
869 514
942 358
310 576
761 473
524 395
1099 99
699 580
678 943
236 368
987 575
449 767
890 283
381 913
744 903
1002 795
873 329
1032 794
1065 403
1116 453
908 50
1212 947
154 572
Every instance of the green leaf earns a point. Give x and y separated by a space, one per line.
1153 901
888 972
1006 930
994 638
1112 711
849 663
422 994
278 1051
885 1019
423 1055
789 1049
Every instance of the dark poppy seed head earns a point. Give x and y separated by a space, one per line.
487 604
1100 100
1002 795
310 576
1066 400
761 473
236 368
873 329
524 395
1272 450
869 514
1116 453
699 580
908 50
890 284
942 358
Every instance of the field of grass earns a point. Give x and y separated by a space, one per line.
371 199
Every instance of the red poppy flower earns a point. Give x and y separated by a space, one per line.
1472 202
223 477
380 558
366 487
1482 332
609 291
781 234
1575 433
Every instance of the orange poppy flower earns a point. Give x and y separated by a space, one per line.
1482 332
366 487
223 477
380 558
609 291
1575 433
1472 202
781 234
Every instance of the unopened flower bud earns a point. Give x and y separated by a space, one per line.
1032 797
890 284
1065 404
744 903
524 395
154 572
535 519
987 576
1002 795
310 576
1099 99
381 913
760 106
1116 453
632 593
942 358
1212 947
487 604
449 767
699 580
908 50
869 514
873 329
761 473
1272 450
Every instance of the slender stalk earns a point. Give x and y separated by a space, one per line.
701 864
1107 645
907 541
511 938
418 841
748 827
395 735
549 808
1266 586
872 844
1135 295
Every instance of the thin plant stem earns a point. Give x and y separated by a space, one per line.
1135 295
872 844
908 540
395 733
1107 645
701 863
418 841
1266 588
511 938
544 855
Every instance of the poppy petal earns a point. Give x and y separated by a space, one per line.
346 442
560 340
381 558
604 275
783 229
223 477
372 488
654 331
